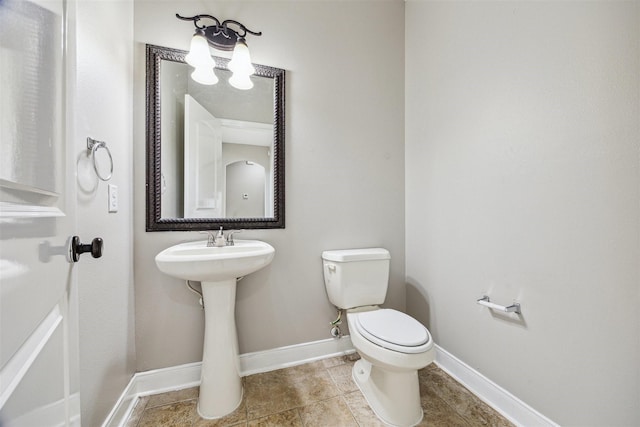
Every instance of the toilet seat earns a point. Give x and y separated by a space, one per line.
393 330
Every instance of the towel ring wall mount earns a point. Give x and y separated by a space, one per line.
92 147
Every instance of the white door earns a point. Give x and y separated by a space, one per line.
39 383
203 196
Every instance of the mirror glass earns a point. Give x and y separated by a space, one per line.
215 154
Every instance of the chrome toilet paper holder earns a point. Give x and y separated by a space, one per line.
486 301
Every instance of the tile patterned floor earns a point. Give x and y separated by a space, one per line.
316 394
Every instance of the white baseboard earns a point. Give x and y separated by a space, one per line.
298 354
185 376
509 406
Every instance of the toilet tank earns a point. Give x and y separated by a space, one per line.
356 277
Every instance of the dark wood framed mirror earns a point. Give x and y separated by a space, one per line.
215 154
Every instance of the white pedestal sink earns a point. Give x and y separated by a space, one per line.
217 269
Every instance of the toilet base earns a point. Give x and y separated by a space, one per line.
394 396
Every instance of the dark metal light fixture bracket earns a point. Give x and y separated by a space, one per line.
220 35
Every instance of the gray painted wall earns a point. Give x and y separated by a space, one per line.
344 169
523 181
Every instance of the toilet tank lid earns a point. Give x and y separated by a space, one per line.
348 255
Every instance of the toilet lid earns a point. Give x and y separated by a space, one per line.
393 330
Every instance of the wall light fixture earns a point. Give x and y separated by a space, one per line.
222 37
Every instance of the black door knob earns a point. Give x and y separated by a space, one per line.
77 248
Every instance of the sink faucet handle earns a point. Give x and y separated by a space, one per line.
230 234
210 238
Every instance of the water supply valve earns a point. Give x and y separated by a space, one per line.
335 330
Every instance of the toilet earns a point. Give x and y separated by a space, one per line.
392 345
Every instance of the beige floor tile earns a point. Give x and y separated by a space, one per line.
480 414
436 412
174 414
342 376
282 419
216 423
340 360
267 394
316 388
264 378
237 417
361 410
287 392
317 394
334 361
305 369
333 412
460 399
454 394
172 397
286 376
267 400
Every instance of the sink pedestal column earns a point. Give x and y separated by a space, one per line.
221 385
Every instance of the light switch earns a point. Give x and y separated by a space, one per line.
113 198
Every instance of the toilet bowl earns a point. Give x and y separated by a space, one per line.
392 345
388 378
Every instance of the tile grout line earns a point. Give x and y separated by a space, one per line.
345 392
350 410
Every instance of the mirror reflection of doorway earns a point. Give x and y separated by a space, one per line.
245 190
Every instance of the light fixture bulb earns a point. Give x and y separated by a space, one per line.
199 54
204 76
241 81
241 60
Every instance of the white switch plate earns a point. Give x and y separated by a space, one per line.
113 198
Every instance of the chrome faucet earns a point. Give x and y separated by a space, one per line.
218 239
215 239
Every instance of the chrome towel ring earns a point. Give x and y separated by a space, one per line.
92 147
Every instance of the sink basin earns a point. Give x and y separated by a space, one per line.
217 270
195 261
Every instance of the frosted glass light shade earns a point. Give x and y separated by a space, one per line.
241 81
204 76
241 60
199 54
